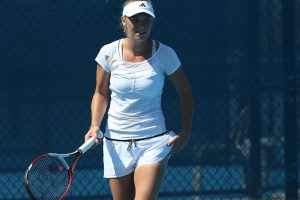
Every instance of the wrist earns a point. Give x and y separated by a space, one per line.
94 126
186 133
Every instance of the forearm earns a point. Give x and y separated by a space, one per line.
98 108
187 107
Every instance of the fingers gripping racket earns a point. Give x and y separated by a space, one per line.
49 176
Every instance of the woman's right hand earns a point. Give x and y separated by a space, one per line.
93 132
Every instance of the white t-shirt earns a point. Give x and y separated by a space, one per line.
136 88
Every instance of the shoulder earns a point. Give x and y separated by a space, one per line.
168 58
165 50
110 48
106 54
164 46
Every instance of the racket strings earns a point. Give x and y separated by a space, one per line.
48 178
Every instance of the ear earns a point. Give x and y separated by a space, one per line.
123 20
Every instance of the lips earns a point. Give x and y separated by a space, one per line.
141 33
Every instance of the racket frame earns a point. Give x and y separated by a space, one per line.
70 169
80 151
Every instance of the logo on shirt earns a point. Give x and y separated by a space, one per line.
106 58
142 5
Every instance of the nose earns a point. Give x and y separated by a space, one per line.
142 23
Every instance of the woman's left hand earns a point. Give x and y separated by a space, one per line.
179 141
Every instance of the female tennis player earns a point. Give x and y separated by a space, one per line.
137 145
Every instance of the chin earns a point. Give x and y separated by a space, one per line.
142 38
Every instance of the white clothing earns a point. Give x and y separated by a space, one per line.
136 88
119 161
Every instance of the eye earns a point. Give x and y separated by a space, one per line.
134 19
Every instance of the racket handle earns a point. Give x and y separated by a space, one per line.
88 144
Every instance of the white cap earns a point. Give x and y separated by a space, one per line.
136 7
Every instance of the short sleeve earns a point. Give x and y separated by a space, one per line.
169 59
103 57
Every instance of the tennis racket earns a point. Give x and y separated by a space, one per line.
49 176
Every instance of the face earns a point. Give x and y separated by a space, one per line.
138 27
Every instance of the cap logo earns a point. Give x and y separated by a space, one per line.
142 5
136 7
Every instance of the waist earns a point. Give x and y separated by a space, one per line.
135 139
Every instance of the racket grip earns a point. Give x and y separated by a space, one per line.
88 144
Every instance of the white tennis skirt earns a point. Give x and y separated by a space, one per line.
120 158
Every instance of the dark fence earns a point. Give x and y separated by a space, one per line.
242 58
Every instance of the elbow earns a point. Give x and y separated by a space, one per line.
188 92
188 95
102 97
101 93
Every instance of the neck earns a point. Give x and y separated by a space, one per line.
137 47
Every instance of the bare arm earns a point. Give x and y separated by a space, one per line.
184 90
99 102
